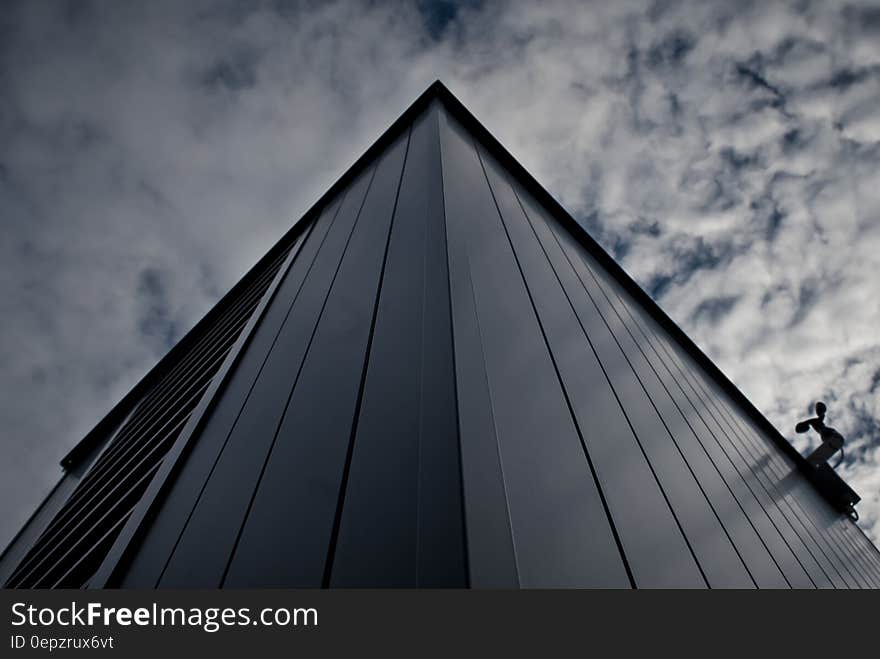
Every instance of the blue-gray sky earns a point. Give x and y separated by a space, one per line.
726 152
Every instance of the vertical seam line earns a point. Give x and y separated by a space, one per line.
596 480
337 520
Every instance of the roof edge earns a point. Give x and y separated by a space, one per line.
117 413
463 115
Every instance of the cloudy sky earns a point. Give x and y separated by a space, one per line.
728 153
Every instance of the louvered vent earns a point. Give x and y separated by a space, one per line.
73 545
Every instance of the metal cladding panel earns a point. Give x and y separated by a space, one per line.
401 522
491 558
448 384
631 449
818 522
561 533
205 547
808 518
147 565
735 476
288 535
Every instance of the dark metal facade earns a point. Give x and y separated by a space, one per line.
437 379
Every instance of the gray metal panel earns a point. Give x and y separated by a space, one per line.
680 420
560 530
766 493
641 399
599 561
826 523
791 486
402 523
203 552
769 460
863 547
871 551
762 490
804 502
763 463
866 548
758 488
440 460
590 365
491 554
633 331
733 476
843 531
846 530
152 554
291 524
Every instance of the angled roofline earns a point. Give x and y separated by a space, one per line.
116 414
613 267
438 91
829 485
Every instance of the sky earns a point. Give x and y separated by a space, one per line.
725 152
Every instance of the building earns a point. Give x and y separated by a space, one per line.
437 378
